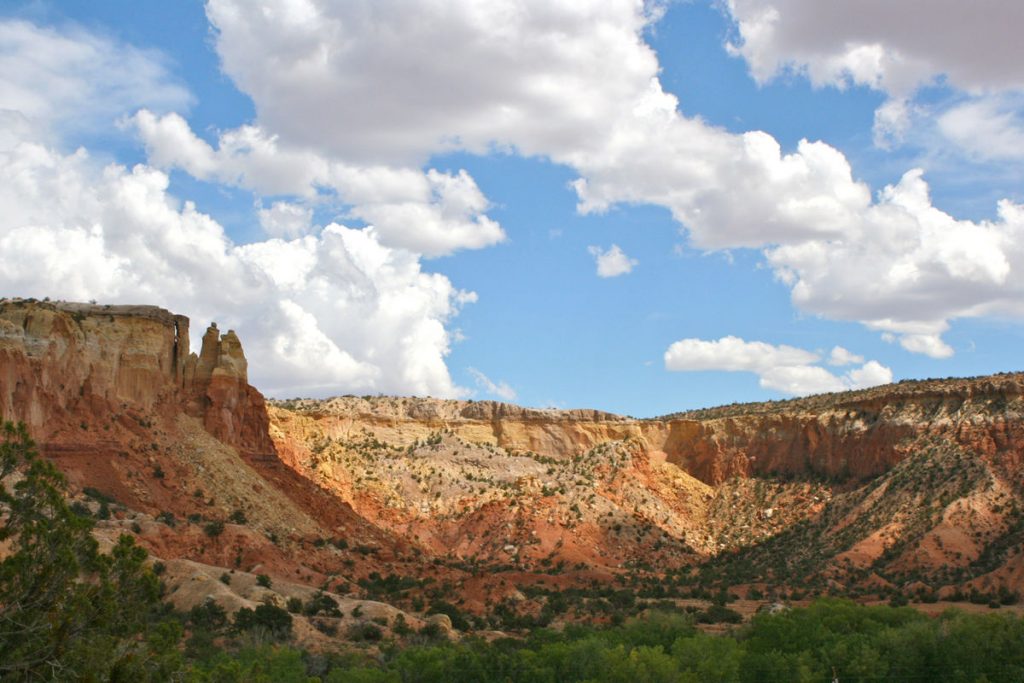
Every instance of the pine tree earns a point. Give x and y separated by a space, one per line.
67 611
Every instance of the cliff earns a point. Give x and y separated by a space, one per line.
65 366
891 484
888 486
848 436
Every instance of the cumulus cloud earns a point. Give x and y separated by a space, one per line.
500 389
611 262
896 48
908 268
338 309
840 356
787 369
287 220
431 213
538 76
988 128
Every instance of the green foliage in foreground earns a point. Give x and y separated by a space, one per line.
67 611
831 638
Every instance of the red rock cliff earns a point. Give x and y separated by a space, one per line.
218 384
64 366
854 435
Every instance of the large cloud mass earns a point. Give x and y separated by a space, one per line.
317 312
336 309
897 48
394 81
354 98
575 82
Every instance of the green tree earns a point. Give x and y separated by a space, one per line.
271 619
67 611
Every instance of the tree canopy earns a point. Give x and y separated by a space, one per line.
68 611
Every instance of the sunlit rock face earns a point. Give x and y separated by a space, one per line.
64 365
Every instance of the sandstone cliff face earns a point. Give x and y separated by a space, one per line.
852 436
232 411
64 366
403 421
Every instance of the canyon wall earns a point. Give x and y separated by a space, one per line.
65 366
854 435
514 485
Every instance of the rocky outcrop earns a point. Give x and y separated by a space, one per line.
232 410
403 420
65 366
57 359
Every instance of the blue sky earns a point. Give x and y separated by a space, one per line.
635 207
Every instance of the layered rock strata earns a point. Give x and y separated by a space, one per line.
849 436
67 365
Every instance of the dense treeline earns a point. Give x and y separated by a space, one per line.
70 612
831 640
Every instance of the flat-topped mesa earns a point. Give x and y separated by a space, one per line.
845 437
66 364
404 420
850 435
57 357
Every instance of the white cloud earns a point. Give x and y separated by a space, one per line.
988 128
927 344
908 268
316 313
611 262
733 353
870 374
431 213
787 369
500 389
445 216
840 356
540 76
76 81
893 119
286 220
896 48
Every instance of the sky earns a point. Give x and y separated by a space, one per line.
640 207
